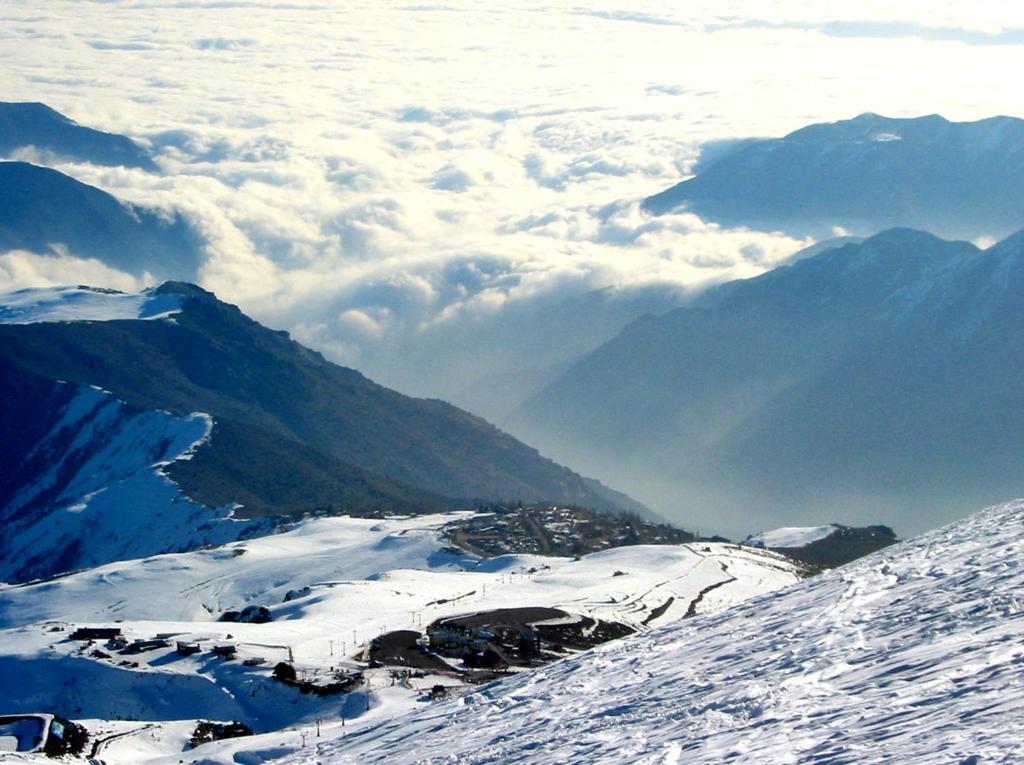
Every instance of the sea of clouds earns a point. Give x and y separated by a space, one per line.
428 192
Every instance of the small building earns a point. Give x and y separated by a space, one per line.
489 659
254 661
95 633
285 672
187 649
141 644
453 637
226 651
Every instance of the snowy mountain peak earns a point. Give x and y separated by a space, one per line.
81 303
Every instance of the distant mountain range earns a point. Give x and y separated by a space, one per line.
47 131
508 358
290 432
876 380
956 179
42 210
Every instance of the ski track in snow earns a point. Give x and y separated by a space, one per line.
912 655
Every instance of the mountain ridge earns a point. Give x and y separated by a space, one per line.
33 125
42 208
291 433
866 174
829 371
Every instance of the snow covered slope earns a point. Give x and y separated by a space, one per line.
198 586
791 536
29 306
381 574
330 586
92 490
912 655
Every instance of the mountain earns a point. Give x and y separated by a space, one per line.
37 126
286 432
41 209
87 482
911 655
824 546
957 179
491 364
873 381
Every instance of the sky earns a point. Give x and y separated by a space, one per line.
406 186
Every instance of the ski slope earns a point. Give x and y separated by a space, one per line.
384 574
331 585
912 655
47 304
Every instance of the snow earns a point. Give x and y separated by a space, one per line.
331 584
198 586
911 655
791 536
102 494
387 574
22 734
50 304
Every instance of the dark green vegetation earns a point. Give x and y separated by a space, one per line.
957 179
36 125
29 406
560 531
294 433
842 546
41 209
874 380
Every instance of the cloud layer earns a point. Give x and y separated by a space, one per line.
404 185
